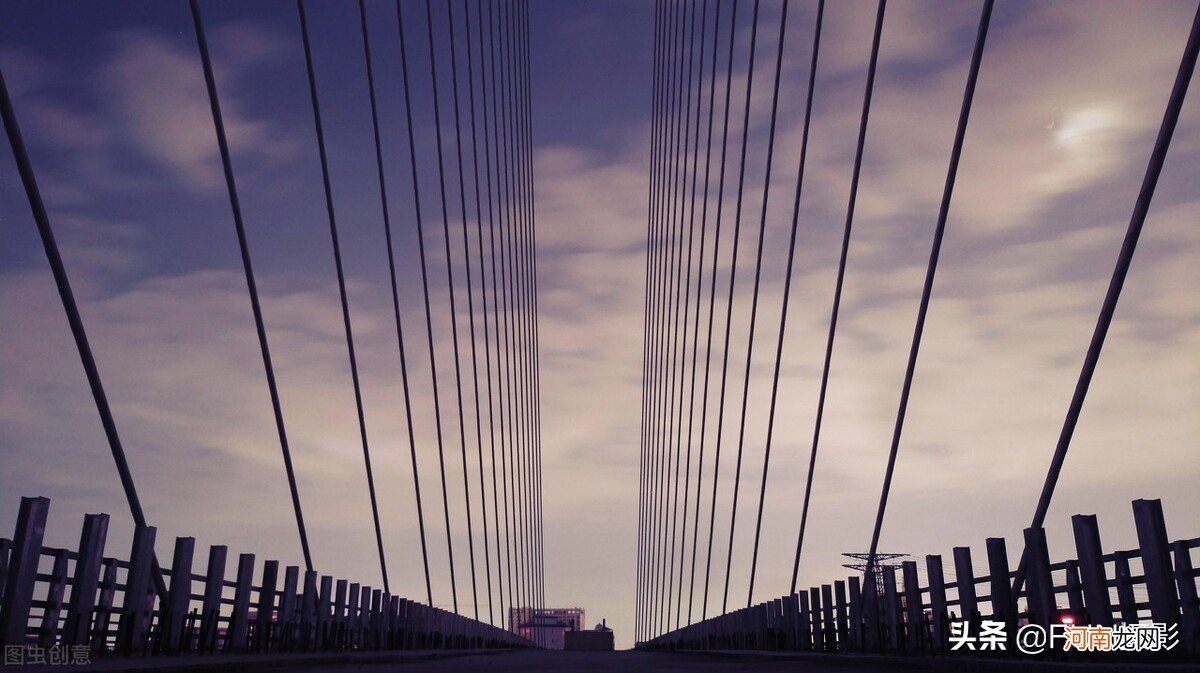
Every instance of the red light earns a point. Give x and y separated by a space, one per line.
1068 620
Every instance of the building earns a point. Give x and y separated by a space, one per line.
599 639
545 626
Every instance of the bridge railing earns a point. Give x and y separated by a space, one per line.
83 602
915 610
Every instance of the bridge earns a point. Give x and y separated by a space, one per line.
297 251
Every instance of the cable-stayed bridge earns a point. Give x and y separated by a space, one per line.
458 149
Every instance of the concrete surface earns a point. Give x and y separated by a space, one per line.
592 662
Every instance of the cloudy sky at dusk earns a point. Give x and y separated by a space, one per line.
113 106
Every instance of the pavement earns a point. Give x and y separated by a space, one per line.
627 661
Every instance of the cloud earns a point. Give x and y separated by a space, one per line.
1053 160
160 98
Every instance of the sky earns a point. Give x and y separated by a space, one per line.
112 102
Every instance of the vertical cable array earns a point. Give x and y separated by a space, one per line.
419 225
462 432
841 275
712 89
387 231
504 345
787 287
712 308
934 253
251 286
737 228
641 569
503 105
486 336
762 235
687 469
665 339
678 338
517 266
337 258
526 98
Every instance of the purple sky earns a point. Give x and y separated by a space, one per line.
112 101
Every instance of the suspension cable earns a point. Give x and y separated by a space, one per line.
493 405
486 333
1158 156
665 333
837 292
687 471
527 108
67 296
737 227
643 471
712 298
712 90
939 231
437 412
252 287
660 264
513 299
462 199
787 288
337 258
678 357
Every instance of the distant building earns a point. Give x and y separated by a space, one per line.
599 639
545 626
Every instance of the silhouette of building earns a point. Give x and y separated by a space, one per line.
599 639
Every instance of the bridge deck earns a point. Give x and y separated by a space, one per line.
627 661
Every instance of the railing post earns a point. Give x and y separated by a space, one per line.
829 627
239 619
791 622
138 599
1124 581
843 623
1189 624
1156 561
1003 605
870 611
103 612
352 615
388 622
913 640
937 602
324 619
340 617
1040 585
778 630
891 606
856 613
287 608
264 620
806 642
214 589
964 581
818 631
55 592
373 623
1091 569
87 578
308 611
22 569
174 614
